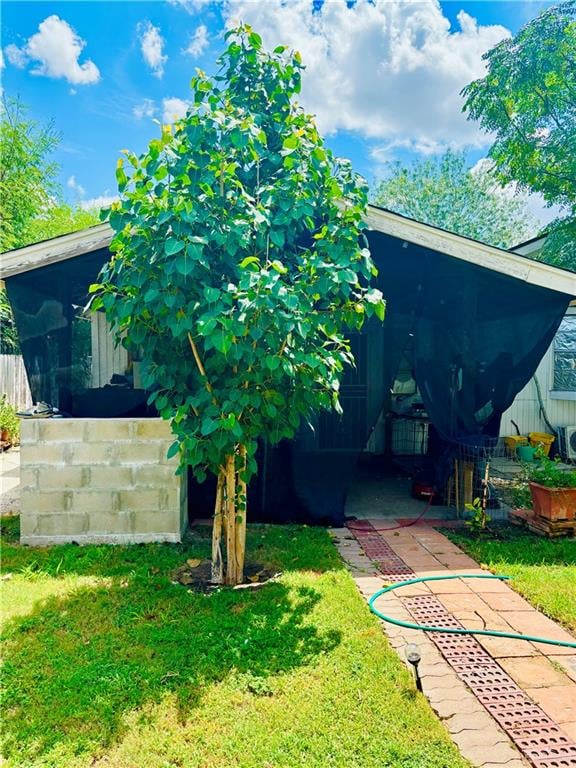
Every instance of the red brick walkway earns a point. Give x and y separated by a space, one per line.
540 679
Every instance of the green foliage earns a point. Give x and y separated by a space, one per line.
8 332
445 193
548 472
480 519
106 661
527 101
27 176
237 265
9 421
59 219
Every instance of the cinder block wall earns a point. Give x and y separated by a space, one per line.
99 481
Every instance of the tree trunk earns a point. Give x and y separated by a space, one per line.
230 521
217 560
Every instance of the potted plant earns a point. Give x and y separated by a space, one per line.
9 422
553 490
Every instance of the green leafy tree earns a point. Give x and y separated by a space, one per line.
528 102
8 335
237 270
27 172
59 219
445 192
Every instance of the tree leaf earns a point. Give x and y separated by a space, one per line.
172 246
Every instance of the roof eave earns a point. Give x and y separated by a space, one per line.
55 250
482 255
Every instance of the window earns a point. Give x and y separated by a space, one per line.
565 355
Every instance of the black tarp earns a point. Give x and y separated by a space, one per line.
475 337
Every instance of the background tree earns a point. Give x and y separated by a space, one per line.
237 271
31 208
59 218
27 172
445 192
528 101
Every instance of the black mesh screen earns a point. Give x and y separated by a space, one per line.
474 338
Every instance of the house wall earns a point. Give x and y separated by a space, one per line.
525 410
99 481
106 357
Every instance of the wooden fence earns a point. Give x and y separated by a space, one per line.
14 382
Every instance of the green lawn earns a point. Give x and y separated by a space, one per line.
107 663
543 570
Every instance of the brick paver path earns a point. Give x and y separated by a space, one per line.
541 678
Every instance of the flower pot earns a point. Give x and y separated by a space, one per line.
553 503
4 435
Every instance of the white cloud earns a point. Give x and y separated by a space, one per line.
386 69
173 109
16 56
199 41
55 49
152 46
191 6
102 201
2 65
147 108
78 188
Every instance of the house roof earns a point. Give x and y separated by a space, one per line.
56 249
378 219
466 249
529 246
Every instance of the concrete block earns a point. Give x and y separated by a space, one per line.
66 524
28 524
28 478
139 499
42 453
153 429
61 430
60 477
109 522
28 431
88 501
100 430
155 475
90 453
164 521
170 498
42 502
111 478
137 453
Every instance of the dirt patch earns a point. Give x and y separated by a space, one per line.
196 575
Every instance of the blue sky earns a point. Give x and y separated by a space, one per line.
382 76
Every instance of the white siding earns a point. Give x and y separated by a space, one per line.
525 410
106 357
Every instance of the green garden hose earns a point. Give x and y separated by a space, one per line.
451 630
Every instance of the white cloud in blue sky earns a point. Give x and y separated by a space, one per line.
173 109
387 70
383 76
152 47
199 41
54 51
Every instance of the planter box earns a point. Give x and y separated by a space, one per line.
554 503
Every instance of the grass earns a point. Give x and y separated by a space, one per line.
543 570
107 663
